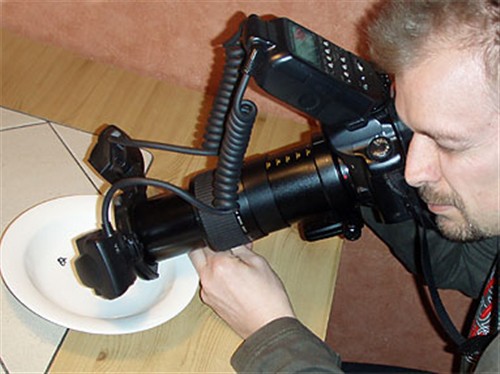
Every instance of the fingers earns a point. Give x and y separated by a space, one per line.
242 249
198 258
241 287
244 252
202 255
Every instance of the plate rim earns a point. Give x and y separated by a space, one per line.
109 326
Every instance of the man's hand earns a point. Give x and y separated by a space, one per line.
240 286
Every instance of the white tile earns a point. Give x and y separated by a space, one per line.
28 341
10 119
80 144
35 167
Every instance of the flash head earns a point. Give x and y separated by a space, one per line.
109 264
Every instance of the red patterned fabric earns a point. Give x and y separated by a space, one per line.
487 318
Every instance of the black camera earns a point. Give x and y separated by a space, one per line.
357 160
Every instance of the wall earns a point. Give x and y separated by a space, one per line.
171 40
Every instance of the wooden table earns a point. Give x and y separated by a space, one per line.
57 85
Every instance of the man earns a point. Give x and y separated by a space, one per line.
444 58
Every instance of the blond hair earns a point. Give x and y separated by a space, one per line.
407 31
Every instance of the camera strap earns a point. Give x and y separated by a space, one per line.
439 307
472 346
423 221
469 347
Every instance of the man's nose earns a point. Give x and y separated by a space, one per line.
422 162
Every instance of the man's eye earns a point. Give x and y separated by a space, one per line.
449 148
445 148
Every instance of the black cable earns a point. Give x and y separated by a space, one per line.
214 130
232 130
163 147
139 181
232 151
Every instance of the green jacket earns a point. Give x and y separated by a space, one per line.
287 346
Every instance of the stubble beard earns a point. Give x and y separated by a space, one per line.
463 228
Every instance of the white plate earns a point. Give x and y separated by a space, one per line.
38 251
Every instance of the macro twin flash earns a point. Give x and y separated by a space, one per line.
357 160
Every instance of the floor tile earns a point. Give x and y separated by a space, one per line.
80 144
10 119
36 166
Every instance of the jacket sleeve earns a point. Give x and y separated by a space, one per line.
455 265
285 346
490 359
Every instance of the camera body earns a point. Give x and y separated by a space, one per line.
347 95
357 160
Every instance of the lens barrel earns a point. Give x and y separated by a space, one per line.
276 190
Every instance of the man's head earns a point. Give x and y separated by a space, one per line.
444 55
